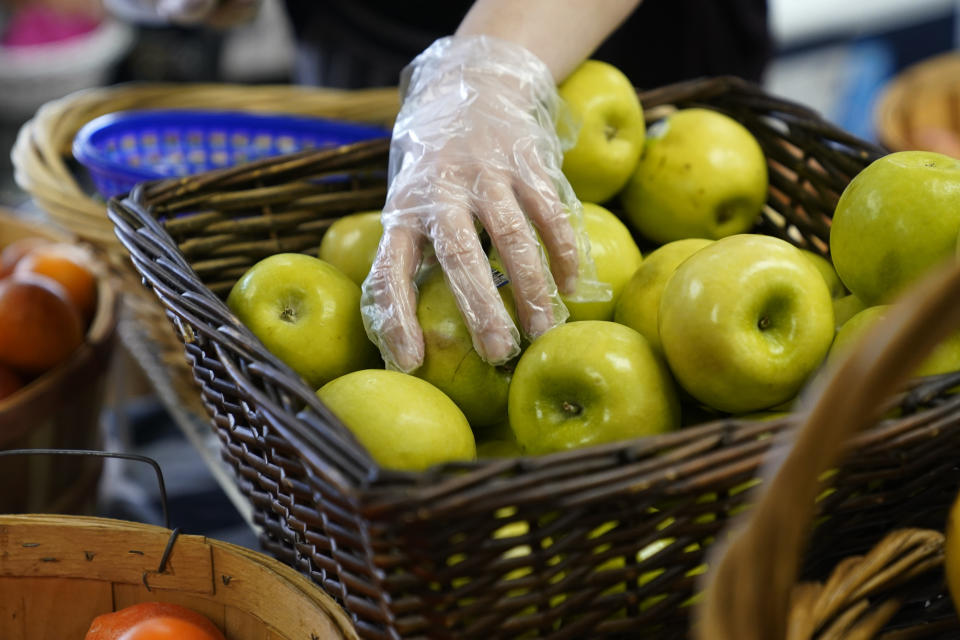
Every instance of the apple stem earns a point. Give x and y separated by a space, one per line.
571 408
764 323
610 132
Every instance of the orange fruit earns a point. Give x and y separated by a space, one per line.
70 266
39 326
15 251
153 621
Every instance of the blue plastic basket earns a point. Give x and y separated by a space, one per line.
124 148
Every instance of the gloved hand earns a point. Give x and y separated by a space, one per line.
216 13
476 139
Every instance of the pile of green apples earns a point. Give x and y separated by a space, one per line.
712 321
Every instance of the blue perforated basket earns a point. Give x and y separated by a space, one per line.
124 148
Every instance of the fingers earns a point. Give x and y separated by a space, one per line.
517 246
537 194
467 270
389 301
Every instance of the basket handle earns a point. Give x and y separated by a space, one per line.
753 574
103 454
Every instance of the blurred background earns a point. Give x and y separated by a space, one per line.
838 57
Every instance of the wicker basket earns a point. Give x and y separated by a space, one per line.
925 96
44 167
57 573
604 540
61 408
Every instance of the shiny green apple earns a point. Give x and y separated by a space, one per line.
845 308
639 304
702 174
744 322
615 255
894 221
450 362
307 313
825 267
350 244
404 422
945 358
589 382
610 129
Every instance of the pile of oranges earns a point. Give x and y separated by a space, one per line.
48 297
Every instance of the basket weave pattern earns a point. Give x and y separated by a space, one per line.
602 540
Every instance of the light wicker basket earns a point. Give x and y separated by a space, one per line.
44 167
924 97
57 573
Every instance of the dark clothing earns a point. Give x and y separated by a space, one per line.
362 43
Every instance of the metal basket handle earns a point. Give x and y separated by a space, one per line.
103 454
753 574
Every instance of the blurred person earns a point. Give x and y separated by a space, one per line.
475 136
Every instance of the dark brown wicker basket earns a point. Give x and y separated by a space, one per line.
613 536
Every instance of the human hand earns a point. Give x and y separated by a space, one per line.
475 139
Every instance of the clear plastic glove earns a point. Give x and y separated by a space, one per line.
476 140
216 13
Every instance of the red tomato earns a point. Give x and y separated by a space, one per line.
153 621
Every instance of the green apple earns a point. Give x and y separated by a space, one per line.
702 175
639 304
450 362
307 313
350 244
894 221
945 358
845 308
744 322
404 422
825 267
588 382
615 255
497 441
604 103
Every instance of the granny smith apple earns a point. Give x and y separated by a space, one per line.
638 306
845 308
609 139
825 267
588 382
615 255
702 174
744 322
895 220
404 422
350 244
450 362
307 313
945 358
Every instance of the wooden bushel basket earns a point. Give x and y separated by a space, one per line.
61 408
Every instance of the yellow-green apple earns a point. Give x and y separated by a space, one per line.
744 322
702 174
404 422
825 267
305 312
639 304
945 358
895 220
497 441
450 362
609 139
845 308
350 244
588 382
615 255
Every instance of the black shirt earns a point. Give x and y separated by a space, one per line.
361 43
